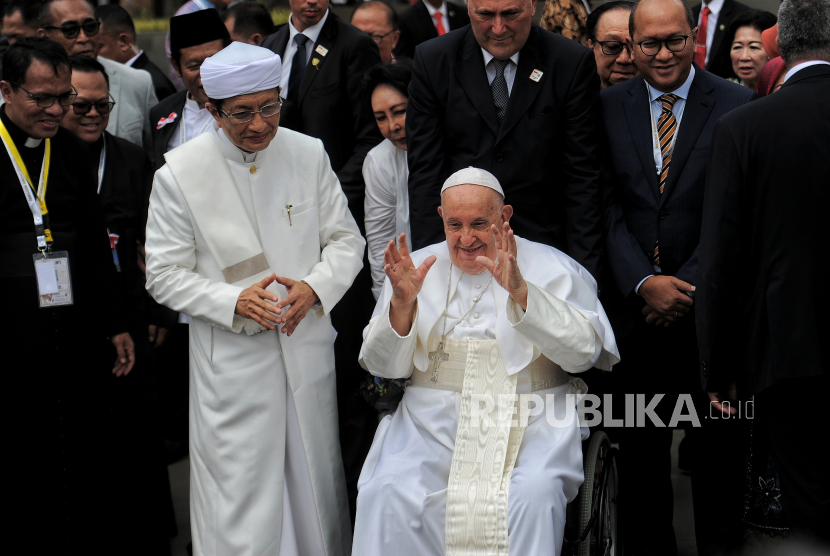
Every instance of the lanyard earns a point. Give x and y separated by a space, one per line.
658 153
101 164
36 204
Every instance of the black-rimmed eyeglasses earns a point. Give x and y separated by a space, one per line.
45 101
245 116
379 38
611 48
83 108
72 30
652 47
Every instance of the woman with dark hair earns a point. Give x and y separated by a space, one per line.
743 56
385 170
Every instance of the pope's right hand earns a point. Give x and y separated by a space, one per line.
406 280
257 304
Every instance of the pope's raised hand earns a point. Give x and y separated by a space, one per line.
506 271
406 280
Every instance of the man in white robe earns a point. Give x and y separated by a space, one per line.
250 233
437 481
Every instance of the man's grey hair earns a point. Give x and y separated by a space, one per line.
804 30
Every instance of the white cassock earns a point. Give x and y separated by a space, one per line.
386 206
266 473
424 490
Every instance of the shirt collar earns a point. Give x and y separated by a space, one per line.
191 104
131 61
715 6
312 32
682 91
803 65
488 57
432 11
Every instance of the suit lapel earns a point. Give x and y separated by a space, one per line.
327 38
524 89
473 78
115 91
425 21
717 38
141 61
280 41
165 133
698 107
639 124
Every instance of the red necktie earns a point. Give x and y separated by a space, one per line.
438 25
700 54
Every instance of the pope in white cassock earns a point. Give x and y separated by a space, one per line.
249 231
483 321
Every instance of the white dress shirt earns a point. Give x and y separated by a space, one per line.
803 65
715 7
193 122
509 70
313 33
443 11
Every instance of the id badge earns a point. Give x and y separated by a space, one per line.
54 283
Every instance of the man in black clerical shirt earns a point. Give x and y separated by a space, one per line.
55 355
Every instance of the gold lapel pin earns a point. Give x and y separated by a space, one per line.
315 62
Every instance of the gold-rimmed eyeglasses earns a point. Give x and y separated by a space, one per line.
245 116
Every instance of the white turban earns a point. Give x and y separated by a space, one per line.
475 176
240 69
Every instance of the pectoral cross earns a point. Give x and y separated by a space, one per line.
437 357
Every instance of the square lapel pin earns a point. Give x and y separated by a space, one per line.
536 75
321 50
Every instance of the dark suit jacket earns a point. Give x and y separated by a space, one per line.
730 9
163 86
636 213
417 26
161 137
545 153
762 298
332 107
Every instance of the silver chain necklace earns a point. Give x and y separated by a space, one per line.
439 354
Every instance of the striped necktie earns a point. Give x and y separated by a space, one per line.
666 130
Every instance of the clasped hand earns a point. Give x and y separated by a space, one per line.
506 271
666 299
265 308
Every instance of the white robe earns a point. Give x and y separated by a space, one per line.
386 206
266 473
403 485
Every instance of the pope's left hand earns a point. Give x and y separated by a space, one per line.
301 297
506 272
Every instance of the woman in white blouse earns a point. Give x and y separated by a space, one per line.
385 171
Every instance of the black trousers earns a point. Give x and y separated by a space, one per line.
794 411
357 419
664 361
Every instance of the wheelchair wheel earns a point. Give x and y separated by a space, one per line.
597 515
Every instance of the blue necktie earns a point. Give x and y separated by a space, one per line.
298 65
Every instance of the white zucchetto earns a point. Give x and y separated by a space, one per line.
475 176
240 69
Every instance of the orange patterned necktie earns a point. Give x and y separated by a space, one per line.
666 130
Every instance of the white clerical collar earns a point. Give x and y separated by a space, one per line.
803 65
312 32
31 142
488 57
715 6
682 91
132 60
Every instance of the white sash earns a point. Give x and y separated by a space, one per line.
209 190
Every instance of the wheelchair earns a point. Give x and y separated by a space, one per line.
591 519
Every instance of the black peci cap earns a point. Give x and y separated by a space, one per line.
196 28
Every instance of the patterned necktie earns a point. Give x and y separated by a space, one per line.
700 53
666 130
298 64
439 26
499 89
